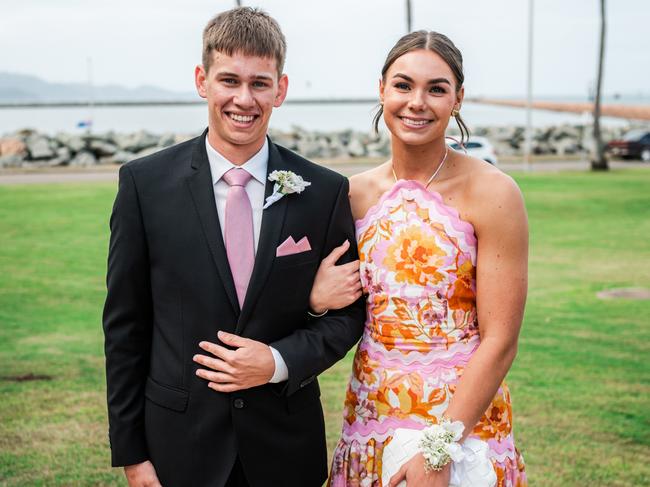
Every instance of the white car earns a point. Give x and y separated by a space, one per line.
479 147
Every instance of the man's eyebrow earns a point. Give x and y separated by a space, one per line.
235 75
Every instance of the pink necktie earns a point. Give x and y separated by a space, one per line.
240 246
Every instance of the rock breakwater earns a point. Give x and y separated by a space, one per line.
32 149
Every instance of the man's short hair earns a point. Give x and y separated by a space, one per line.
245 30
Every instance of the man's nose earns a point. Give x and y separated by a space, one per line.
244 96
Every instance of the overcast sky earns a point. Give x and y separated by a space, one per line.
335 47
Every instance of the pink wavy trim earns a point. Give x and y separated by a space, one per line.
379 430
459 350
447 362
462 225
501 459
499 451
506 445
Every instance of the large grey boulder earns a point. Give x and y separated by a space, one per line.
136 142
167 140
122 157
356 148
84 158
74 142
309 148
102 148
39 147
379 148
63 156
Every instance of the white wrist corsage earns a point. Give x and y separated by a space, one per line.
439 444
470 463
286 182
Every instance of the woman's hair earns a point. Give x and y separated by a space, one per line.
443 47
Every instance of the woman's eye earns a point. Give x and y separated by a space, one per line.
402 86
438 89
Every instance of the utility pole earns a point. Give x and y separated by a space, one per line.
238 2
409 18
528 144
599 162
91 96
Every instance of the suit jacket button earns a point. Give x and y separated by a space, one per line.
238 403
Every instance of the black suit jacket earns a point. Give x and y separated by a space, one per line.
170 287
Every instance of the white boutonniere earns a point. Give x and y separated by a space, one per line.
286 182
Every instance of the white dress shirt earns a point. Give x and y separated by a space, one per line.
256 166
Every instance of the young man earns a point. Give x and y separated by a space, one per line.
211 356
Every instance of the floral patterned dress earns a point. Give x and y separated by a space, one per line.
418 268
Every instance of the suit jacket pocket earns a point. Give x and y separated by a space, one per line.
166 396
310 394
292 260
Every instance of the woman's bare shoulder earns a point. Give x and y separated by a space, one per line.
366 188
492 196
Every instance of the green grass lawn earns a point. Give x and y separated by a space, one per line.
580 384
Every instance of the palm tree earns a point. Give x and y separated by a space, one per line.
599 163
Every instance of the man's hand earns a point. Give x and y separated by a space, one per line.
141 475
335 286
250 365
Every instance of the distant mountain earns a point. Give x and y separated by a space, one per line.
21 88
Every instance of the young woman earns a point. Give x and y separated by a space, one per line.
443 250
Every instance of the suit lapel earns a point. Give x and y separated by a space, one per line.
200 184
270 231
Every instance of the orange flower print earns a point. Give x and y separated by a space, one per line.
364 368
497 420
463 296
414 257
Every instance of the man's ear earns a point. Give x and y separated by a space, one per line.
200 78
283 86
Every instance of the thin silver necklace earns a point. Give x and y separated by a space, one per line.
433 176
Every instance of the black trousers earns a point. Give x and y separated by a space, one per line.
237 477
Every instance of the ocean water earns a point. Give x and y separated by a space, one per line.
190 119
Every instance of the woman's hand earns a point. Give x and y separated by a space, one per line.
335 286
416 475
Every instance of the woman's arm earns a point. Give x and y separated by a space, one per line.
336 287
501 227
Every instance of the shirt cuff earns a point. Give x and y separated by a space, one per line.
281 372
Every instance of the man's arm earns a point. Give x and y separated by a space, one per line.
307 351
323 341
127 326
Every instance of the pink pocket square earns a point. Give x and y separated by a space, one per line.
290 247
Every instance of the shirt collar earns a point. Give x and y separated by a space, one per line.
256 165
